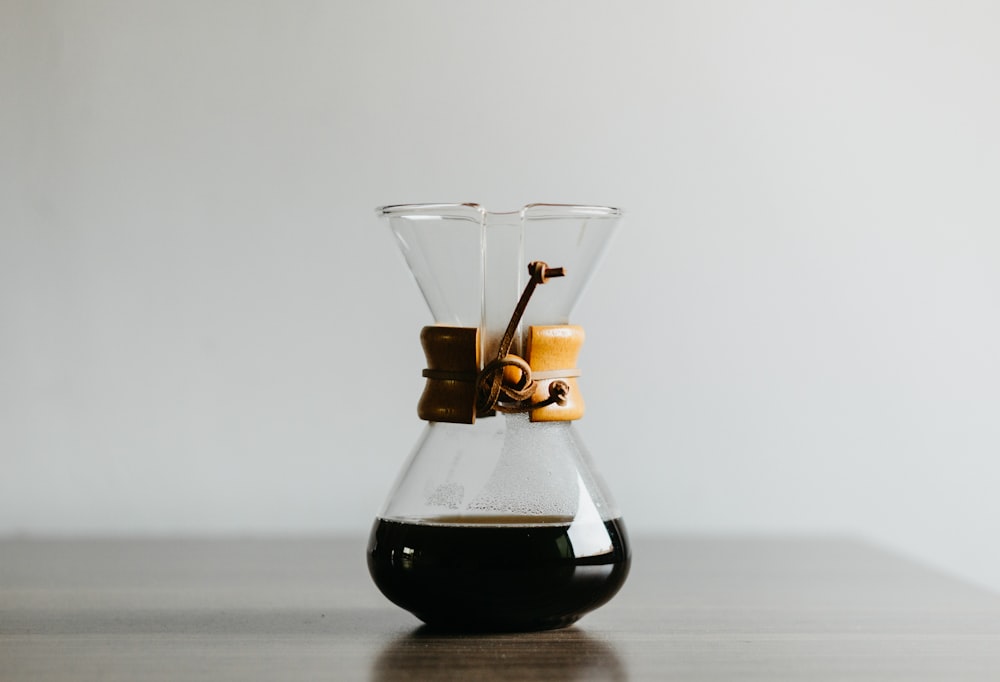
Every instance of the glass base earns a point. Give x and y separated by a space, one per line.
498 573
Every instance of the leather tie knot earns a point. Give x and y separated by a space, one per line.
493 379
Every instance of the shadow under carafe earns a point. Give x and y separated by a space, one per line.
568 654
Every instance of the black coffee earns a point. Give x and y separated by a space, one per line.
498 573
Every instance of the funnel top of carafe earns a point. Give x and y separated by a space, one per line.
475 211
472 264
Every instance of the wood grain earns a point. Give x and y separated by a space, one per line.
694 608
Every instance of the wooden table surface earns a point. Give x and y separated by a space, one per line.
694 608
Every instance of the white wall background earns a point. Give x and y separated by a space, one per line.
203 329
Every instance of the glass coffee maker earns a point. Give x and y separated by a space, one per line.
498 521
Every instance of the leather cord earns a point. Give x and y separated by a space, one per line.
496 393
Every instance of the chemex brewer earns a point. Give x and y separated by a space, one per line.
498 520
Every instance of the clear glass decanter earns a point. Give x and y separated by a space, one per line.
497 520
